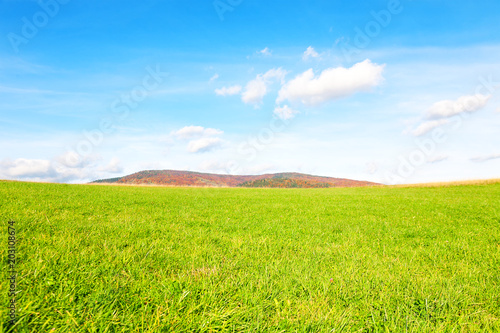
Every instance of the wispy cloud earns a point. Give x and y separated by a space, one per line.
448 108
284 112
265 51
441 112
15 90
428 126
485 158
203 145
201 139
190 132
228 91
437 158
310 53
114 166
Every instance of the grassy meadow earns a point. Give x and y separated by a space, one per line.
153 259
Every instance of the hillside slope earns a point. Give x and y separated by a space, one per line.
188 178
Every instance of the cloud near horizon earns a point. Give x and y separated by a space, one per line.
486 158
201 139
58 169
438 158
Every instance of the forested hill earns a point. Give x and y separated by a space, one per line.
188 178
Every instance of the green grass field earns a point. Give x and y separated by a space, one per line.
152 259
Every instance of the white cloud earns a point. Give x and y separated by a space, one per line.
214 166
27 168
203 145
258 169
265 51
55 170
285 112
275 73
428 126
228 91
310 53
227 167
201 139
114 166
215 77
332 83
256 89
485 158
190 132
443 110
71 159
498 110
437 159
448 108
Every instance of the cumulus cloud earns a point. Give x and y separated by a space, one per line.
448 108
428 126
189 132
215 77
485 158
284 112
228 91
310 53
203 145
265 51
49 170
27 168
256 89
331 84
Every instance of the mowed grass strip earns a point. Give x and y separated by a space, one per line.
139 259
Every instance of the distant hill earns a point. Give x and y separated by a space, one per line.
188 178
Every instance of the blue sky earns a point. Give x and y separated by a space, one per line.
387 91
